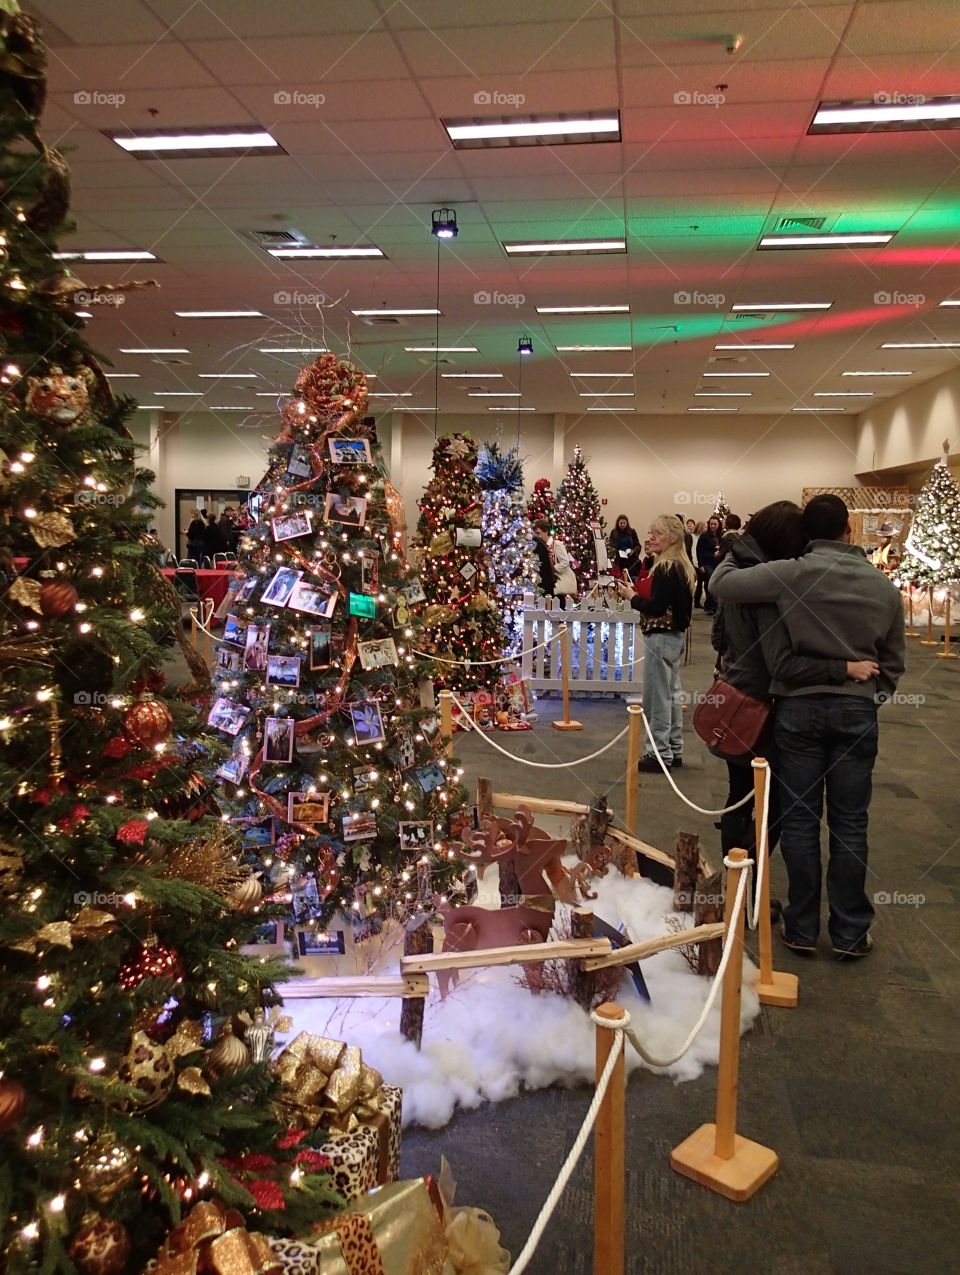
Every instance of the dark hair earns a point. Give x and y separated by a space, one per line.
825 517
778 530
732 522
717 519
625 519
541 524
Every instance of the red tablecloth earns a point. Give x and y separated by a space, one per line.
212 584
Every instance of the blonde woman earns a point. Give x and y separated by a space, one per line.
666 619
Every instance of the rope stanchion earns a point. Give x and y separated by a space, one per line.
201 635
946 653
929 640
666 770
715 1155
632 780
773 987
911 631
608 1147
566 659
501 659
537 765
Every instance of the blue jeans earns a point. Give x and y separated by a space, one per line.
826 742
662 701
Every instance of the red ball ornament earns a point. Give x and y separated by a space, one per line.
151 960
57 599
147 723
13 1103
100 1247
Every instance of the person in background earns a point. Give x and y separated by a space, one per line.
541 542
643 580
624 548
667 615
566 586
687 539
833 604
708 550
698 529
752 648
195 533
229 533
731 530
211 540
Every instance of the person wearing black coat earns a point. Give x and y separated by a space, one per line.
212 540
708 547
624 547
195 534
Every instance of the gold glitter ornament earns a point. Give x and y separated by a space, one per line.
229 1055
105 1167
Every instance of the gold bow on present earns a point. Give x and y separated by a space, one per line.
214 1238
327 1081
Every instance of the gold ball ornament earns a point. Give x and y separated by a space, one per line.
146 1066
147 723
105 1167
13 1103
57 599
100 1247
247 896
229 1055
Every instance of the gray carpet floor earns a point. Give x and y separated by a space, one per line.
854 1088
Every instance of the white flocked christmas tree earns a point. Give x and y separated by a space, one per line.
931 552
507 537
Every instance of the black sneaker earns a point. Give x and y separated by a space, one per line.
861 948
649 765
677 763
796 944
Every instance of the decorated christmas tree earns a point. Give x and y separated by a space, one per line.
720 509
542 502
577 517
511 562
337 776
931 552
461 620
124 900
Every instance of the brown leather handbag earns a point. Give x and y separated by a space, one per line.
728 721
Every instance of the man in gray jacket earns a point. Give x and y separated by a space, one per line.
834 605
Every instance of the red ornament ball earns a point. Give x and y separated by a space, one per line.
57 599
13 1103
101 1246
151 960
147 723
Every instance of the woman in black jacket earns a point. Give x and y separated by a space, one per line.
753 648
708 548
666 615
624 547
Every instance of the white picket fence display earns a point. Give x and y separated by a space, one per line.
607 651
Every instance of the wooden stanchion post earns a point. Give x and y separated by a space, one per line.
946 653
911 631
929 639
608 1155
632 779
566 659
773 987
446 721
715 1155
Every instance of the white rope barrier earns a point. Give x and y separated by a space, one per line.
538 765
762 852
566 1171
728 943
502 659
724 810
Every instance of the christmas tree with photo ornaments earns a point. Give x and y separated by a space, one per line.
337 769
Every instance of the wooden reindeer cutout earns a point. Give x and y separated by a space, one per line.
471 929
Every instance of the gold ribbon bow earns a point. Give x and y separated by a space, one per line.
327 1080
214 1238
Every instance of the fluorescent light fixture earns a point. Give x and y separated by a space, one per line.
493 394
713 409
735 374
331 251
392 394
510 407
563 247
776 307
876 374
534 130
791 345
118 254
608 376
149 349
920 345
950 301
394 313
150 407
222 408
606 409
406 407
722 394
583 309
120 376
82 314
838 239
818 409
441 349
606 393
219 314
293 349
222 376
196 142
273 394
843 394
178 393
591 349
911 111
472 376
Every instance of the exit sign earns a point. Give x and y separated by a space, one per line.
243 480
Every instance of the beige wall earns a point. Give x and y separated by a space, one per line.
903 436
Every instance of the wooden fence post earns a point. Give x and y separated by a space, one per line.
566 659
417 941
686 871
608 1155
632 778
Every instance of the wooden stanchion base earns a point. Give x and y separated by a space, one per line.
926 642
738 1178
911 635
947 655
567 725
783 990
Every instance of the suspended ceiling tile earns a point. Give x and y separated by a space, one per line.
787 32
128 21
253 20
892 26
502 61
698 120
122 68
783 81
537 92
339 100
131 109
307 65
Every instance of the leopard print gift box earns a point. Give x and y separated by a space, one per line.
370 1156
